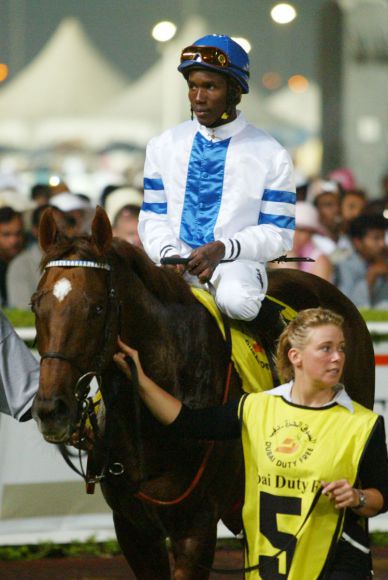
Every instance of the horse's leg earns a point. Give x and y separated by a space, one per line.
193 554
146 553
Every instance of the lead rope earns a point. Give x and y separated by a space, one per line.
143 496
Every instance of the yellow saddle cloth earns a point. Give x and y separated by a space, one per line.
249 357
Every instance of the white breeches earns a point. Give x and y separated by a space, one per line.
240 288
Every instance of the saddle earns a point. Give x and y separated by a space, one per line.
252 343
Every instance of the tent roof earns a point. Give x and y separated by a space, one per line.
160 94
159 97
68 77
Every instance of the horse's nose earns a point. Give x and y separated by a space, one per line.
53 409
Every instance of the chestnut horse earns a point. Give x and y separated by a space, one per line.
93 289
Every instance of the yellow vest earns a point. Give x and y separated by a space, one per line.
288 451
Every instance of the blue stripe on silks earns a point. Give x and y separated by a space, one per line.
154 184
279 195
160 208
203 193
281 221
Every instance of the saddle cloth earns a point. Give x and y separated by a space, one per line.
248 355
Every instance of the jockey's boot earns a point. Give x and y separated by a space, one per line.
268 324
267 327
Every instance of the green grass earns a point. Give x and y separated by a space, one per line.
111 548
23 318
20 318
50 550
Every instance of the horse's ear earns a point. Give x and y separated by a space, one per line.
101 230
48 229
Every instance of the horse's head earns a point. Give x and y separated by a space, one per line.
76 321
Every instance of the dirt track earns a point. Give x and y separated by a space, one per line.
90 568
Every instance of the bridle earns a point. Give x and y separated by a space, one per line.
82 387
113 307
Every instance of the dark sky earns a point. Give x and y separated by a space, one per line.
121 30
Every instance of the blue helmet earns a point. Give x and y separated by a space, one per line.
219 53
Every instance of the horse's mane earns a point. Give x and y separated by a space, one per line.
163 283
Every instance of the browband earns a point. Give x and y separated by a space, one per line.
78 263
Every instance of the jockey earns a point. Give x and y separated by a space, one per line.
218 191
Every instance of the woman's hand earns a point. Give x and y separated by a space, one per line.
341 493
162 405
120 356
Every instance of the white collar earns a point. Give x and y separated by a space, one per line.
224 131
341 397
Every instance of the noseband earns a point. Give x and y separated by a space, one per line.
81 389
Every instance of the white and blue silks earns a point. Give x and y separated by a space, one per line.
233 183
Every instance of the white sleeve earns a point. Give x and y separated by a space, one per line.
19 372
274 233
154 229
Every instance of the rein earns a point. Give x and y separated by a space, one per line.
143 496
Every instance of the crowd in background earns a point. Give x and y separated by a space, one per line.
345 234
20 254
341 232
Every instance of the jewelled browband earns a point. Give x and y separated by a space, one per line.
79 264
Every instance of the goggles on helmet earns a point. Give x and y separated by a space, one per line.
208 55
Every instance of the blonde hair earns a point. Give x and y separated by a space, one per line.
295 335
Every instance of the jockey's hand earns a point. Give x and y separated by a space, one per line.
205 259
120 356
179 268
341 493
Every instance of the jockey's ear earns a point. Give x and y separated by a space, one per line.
101 230
48 230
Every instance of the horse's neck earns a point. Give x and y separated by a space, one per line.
179 344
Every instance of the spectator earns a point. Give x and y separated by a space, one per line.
123 208
108 189
73 213
23 273
11 244
40 193
353 202
306 225
301 185
363 277
325 196
380 205
344 178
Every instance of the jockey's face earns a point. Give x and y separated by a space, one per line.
208 97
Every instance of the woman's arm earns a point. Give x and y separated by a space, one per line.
162 405
220 422
373 475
